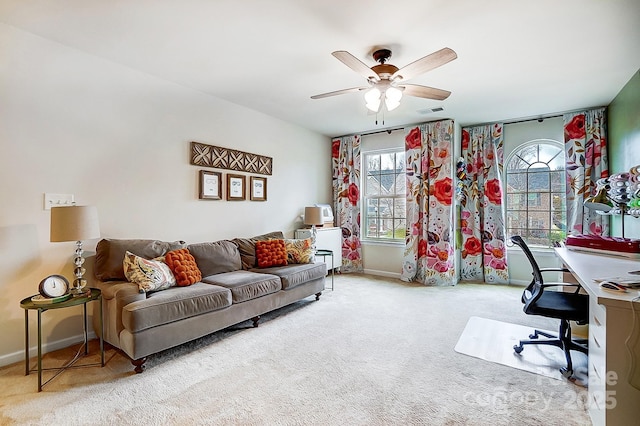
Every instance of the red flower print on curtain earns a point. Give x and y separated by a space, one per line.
482 230
429 255
585 147
345 159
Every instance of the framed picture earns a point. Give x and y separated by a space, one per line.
210 185
258 189
235 187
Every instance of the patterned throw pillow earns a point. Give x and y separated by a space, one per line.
271 253
299 251
184 267
150 275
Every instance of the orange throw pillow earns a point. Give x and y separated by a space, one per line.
271 253
184 267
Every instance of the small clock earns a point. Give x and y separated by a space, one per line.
54 286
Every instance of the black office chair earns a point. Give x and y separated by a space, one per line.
553 304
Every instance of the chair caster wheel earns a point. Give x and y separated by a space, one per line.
566 373
518 348
533 336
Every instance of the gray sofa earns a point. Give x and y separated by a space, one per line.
232 290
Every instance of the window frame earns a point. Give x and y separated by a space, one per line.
365 197
525 195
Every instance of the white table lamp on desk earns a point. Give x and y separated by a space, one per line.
313 217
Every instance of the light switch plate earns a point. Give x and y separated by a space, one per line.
58 200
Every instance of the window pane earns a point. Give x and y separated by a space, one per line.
400 165
529 155
557 163
558 181
400 208
373 162
517 219
516 182
372 185
371 227
538 237
387 161
538 179
386 228
548 153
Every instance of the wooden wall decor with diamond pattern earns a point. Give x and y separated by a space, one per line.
230 159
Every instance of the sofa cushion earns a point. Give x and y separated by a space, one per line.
174 304
247 247
271 253
294 275
149 275
246 285
299 251
216 257
110 254
184 267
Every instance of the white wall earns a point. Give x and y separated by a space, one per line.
119 139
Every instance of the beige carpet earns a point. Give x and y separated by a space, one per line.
372 352
493 341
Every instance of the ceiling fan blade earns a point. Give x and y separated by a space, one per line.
425 92
425 64
355 64
339 92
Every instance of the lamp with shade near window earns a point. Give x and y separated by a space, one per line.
75 223
313 217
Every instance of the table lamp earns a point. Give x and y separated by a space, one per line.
313 217
75 223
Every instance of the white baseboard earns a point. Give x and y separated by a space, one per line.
18 356
383 273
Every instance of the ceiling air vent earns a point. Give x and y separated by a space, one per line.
430 110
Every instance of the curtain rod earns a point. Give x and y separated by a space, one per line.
523 120
539 119
382 131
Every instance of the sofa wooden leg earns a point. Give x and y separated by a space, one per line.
139 364
318 295
255 320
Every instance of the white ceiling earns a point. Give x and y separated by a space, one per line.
516 59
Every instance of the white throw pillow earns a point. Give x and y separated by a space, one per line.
150 275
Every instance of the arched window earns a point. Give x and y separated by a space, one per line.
535 187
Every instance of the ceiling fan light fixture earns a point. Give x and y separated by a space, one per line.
391 105
372 98
392 98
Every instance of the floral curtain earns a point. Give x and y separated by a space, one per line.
429 251
345 159
585 144
483 253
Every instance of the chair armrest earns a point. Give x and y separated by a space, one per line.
554 270
578 286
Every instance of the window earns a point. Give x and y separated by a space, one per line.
535 186
384 206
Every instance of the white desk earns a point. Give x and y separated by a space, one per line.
612 400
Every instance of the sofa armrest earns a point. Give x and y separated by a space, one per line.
115 296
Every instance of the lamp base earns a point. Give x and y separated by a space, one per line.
80 291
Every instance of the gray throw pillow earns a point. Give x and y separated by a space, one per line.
216 257
110 255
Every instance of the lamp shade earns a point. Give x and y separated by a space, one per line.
74 223
313 216
599 202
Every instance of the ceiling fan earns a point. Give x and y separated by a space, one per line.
386 81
